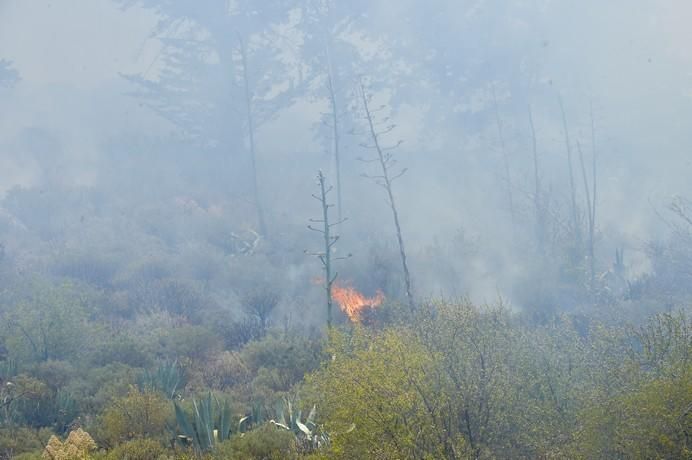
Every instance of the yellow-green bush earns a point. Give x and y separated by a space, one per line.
266 442
138 449
22 440
137 415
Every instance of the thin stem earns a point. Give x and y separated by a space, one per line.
251 139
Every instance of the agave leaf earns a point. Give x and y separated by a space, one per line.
185 425
207 422
225 422
242 422
280 425
256 413
282 416
303 428
204 428
290 411
312 414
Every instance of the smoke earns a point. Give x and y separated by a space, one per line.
71 121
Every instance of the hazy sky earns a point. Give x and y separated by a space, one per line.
75 42
633 57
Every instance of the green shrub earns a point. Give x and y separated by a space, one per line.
137 415
23 440
123 348
266 442
194 342
138 449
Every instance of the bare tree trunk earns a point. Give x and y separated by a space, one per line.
538 204
593 169
385 180
572 188
330 240
505 157
589 210
335 134
590 200
251 141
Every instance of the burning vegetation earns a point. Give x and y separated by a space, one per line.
353 303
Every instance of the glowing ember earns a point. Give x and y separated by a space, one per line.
352 302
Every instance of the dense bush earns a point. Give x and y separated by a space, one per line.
266 442
140 414
459 382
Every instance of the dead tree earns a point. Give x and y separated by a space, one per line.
590 194
505 156
572 188
325 228
590 207
250 121
538 191
387 176
336 138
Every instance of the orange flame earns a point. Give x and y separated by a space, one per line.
353 303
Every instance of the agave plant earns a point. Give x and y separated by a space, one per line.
252 418
308 436
169 379
209 424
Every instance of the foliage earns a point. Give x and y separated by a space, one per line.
78 446
168 379
265 442
195 343
124 348
308 436
15 441
209 424
226 370
17 394
138 449
51 324
477 383
379 383
139 414
652 421
279 363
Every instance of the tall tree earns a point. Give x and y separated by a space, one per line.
219 89
387 175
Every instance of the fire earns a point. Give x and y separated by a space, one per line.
352 302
